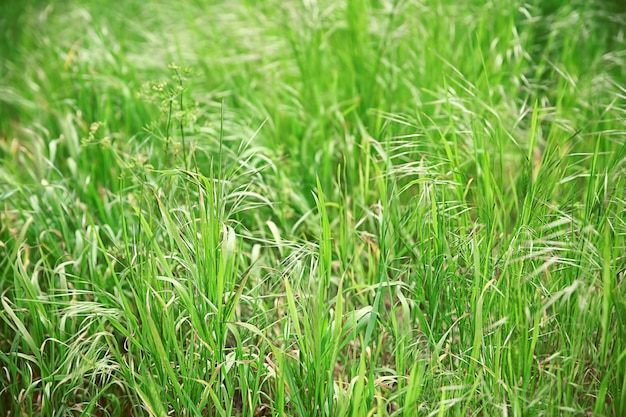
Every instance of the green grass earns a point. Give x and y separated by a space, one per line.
312 208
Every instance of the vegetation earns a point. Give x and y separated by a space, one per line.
312 208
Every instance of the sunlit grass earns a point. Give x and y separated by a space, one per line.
316 208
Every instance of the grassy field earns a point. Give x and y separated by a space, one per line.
312 208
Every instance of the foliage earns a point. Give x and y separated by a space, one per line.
389 208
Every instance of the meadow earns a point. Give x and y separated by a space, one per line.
312 208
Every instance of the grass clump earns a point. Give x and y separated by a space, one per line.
389 208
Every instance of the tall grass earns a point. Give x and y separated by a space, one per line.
312 208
